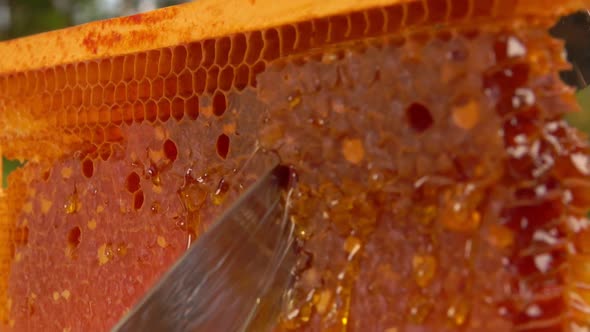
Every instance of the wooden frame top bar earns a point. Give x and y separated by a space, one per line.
204 19
161 28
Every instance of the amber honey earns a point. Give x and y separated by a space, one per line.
439 188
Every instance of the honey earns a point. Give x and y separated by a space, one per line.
438 187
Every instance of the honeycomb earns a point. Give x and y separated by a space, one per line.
439 188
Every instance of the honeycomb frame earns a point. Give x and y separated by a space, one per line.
182 64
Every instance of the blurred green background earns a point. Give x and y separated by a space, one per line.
24 17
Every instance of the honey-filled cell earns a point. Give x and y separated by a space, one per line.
222 49
255 45
185 84
191 107
238 49
438 188
117 69
179 58
92 72
208 53
195 55
177 108
226 78
165 62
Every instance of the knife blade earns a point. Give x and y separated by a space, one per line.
236 276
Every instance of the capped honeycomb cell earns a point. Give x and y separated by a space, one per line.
222 144
438 188
219 103
419 117
170 150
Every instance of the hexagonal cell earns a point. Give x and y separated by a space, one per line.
238 49
222 146
72 117
151 111
129 67
170 85
376 20
419 117
208 52
138 111
97 135
132 92
77 96
103 116
339 28
288 35
70 76
241 77
120 92
92 72
117 69
87 168
133 182
272 45
185 84
36 77
86 96
358 25
31 84
304 35
11 89
49 81
85 133
21 81
57 102
321 28
195 55
153 61
92 115
96 95
222 48
109 93
177 108
200 80
81 77
191 107
138 200
67 96
113 133
127 109
226 77
60 77
212 78
82 118
395 17
104 71
179 57
254 71
416 13
140 66
157 88
105 151
170 150
255 45
219 103
116 115
164 109
165 64
6 86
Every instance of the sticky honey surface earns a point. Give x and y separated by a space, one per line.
439 188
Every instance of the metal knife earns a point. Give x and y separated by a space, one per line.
235 277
